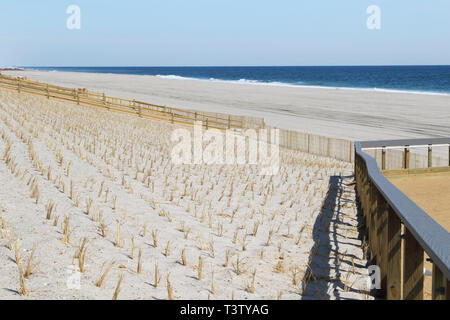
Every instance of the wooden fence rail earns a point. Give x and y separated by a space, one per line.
399 232
142 109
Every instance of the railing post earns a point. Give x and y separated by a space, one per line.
383 158
18 85
373 224
441 286
394 242
406 156
382 238
413 256
78 97
430 156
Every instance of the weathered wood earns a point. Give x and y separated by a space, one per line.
382 237
394 244
406 157
430 156
413 278
373 225
441 286
389 173
383 159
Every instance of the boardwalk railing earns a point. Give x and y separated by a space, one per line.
399 232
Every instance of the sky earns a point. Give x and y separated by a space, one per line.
224 33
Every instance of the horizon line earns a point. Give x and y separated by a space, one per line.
234 66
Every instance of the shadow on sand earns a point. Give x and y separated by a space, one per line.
324 267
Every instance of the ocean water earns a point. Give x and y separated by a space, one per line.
418 79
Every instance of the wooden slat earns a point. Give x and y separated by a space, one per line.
394 244
441 286
413 258
382 237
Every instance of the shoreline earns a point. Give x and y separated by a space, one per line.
340 113
252 82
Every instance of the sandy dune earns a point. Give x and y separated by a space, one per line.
70 173
339 113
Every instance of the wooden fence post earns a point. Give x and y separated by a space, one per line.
18 85
441 286
229 122
382 237
383 158
328 147
104 101
413 256
48 93
430 156
309 143
406 156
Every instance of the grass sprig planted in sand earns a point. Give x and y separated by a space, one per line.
183 257
155 238
139 264
66 231
102 278
118 241
119 284
31 267
156 276
169 287
49 208
200 268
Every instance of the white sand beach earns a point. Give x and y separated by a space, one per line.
338 113
89 196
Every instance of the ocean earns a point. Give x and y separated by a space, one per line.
418 79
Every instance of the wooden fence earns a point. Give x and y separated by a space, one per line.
399 232
142 109
314 144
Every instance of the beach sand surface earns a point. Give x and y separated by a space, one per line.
340 113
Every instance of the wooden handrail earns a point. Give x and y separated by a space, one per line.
385 210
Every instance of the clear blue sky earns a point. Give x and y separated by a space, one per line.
224 32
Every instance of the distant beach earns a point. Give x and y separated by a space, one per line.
347 113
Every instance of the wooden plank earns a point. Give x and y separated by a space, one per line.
394 243
390 173
413 278
373 239
430 156
441 286
406 158
382 237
